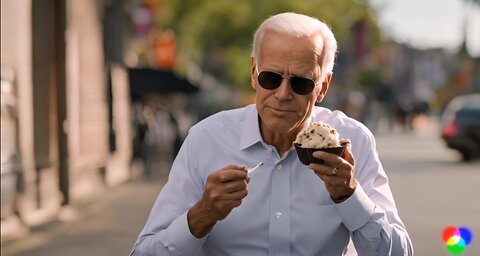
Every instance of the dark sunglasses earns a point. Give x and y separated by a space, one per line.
271 80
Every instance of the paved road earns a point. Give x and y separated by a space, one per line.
432 190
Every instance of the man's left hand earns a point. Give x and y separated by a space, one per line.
337 172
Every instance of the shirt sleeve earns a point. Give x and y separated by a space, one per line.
166 231
370 213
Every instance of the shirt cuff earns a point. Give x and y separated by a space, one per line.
356 210
182 240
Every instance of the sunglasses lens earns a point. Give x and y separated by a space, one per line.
301 85
269 80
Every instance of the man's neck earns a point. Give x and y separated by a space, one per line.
281 141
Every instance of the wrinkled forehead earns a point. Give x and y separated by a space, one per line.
285 49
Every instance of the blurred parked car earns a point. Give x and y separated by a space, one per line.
461 125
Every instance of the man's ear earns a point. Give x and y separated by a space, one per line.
325 85
253 72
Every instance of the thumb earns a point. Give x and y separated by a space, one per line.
347 153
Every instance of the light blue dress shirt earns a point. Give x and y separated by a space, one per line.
288 210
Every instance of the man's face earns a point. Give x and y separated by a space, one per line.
281 109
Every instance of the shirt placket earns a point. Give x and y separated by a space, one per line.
279 230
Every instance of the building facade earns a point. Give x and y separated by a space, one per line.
72 110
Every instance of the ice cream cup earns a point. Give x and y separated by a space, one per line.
305 155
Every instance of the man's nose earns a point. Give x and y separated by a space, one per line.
284 91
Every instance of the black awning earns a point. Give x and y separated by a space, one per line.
144 81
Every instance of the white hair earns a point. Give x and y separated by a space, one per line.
300 25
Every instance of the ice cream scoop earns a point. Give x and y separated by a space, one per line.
319 136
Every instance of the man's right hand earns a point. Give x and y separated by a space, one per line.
224 190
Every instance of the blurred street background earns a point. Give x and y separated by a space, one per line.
432 190
98 95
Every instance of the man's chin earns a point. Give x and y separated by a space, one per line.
281 124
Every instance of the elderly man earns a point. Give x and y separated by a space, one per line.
212 205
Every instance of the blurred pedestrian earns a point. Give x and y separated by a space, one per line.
150 141
211 204
140 128
382 107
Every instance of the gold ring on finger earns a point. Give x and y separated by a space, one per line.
335 170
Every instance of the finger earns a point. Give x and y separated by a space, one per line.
237 195
221 174
342 168
236 167
347 153
235 203
328 158
346 143
228 175
336 185
233 186
322 169
332 180
225 206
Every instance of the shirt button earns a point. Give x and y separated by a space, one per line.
278 215
279 167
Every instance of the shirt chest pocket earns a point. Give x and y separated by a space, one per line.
318 230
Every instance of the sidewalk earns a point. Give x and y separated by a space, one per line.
108 225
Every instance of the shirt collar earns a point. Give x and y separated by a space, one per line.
251 129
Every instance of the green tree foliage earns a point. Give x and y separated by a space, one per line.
217 34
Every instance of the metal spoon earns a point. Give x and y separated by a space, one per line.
255 167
